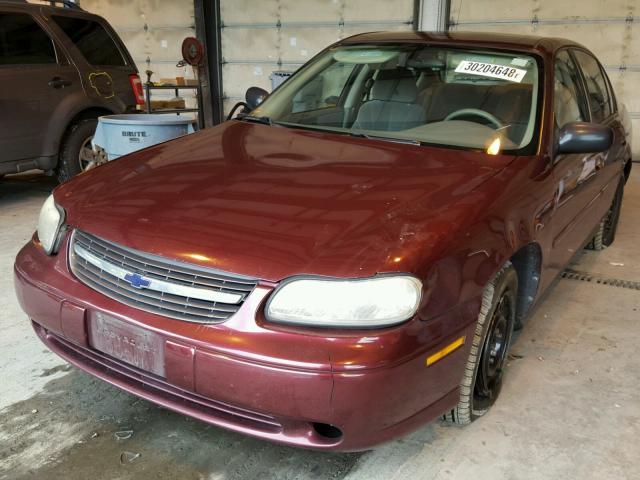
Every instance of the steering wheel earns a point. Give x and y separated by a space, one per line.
478 113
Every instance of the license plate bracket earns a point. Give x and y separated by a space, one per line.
126 342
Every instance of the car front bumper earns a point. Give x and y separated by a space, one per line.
275 383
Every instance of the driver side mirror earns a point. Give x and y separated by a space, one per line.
255 96
584 137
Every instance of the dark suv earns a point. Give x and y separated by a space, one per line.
60 69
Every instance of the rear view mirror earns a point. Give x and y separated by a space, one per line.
255 96
584 137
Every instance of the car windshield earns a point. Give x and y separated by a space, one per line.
462 98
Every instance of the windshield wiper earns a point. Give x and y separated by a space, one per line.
407 141
251 118
269 121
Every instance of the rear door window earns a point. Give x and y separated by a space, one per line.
93 41
599 99
23 42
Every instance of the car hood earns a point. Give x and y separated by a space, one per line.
271 202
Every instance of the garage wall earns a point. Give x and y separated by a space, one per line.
611 29
260 37
153 31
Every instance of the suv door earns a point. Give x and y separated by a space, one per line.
35 78
101 57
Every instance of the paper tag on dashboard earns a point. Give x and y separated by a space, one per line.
491 70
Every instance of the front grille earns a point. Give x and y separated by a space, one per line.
172 289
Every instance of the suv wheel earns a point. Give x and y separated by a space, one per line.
482 380
76 154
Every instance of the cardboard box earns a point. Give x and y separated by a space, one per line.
167 104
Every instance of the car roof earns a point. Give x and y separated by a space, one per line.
484 39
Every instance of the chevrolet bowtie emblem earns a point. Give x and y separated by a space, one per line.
136 280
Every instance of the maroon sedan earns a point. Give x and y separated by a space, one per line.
349 260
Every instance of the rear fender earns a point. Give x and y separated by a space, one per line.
69 109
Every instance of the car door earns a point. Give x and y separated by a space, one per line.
603 108
575 175
34 79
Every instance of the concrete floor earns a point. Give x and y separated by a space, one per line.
570 407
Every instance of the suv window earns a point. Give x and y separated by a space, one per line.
599 100
567 104
23 42
93 41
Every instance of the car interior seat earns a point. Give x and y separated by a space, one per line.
565 105
392 105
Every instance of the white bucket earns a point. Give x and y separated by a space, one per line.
122 134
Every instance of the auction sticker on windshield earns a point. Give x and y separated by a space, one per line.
492 70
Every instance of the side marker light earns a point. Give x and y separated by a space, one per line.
440 354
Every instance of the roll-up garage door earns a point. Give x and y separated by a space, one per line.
611 29
262 37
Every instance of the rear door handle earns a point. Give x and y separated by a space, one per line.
58 82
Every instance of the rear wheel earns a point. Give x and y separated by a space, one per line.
482 380
606 233
76 154
612 219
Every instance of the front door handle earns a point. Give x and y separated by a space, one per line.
58 82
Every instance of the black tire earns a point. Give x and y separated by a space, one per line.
69 163
612 219
596 242
482 380
606 233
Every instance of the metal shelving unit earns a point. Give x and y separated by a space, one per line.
176 88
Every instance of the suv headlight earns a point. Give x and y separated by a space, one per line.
367 303
49 223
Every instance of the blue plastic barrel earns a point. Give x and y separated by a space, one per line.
122 134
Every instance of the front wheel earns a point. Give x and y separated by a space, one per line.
482 380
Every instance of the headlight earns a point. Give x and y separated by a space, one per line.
49 223
367 303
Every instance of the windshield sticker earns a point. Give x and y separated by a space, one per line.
491 70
